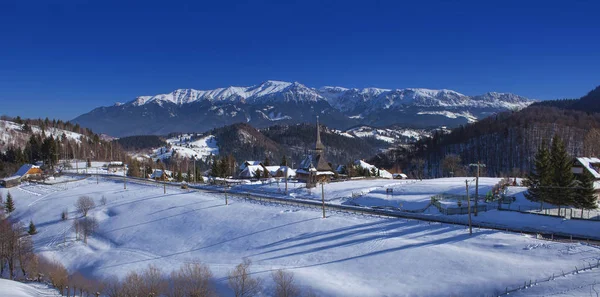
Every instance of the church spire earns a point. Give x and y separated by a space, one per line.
319 147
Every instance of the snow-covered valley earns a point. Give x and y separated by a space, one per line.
342 255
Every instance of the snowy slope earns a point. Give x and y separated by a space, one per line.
12 134
183 147
342 255
10 288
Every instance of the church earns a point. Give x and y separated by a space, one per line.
315 168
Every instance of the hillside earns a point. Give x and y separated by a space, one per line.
506 142
286 103
245 142
589 103
32 140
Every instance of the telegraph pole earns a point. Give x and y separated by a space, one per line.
478 165
286 177
194 158
124 178
469 207
323 198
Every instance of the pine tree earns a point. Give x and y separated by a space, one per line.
9 205
267 162
585 196
32 229
179 176
284 161
540 178
563 180
215 169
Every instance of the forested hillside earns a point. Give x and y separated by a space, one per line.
141 142
31 140
506 142
245 142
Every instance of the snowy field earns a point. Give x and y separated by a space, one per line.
342 255
415 195
15 289
406 194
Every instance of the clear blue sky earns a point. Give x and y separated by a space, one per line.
62 58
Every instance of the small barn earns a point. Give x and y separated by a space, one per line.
400 176
10 182
161 175
253 171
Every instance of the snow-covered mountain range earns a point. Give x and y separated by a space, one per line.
186 110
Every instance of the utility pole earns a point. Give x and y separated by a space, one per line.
124 178
97 175
164 187
286 177
226 201
323 198
194 159
469 206
478 165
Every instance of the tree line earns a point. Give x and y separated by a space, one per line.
552 180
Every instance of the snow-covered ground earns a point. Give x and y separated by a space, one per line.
10 288
415 195
182 147
342 255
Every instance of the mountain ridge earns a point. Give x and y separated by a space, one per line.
270 102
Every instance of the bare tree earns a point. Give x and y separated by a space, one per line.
284 284
419 167
88 227
154 282
192 279
451 164
113 287
57 274
84 204
240 281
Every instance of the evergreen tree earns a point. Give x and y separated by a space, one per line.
179 176
215 169
9 205
540 179
284 161
563 180
32 229
267 162
585 196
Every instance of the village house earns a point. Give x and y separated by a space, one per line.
161 175
590 165
258 171
26 172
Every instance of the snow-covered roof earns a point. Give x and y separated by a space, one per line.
158 173
11 178
587 164
400 174
24 169
250 171
383 173
249 163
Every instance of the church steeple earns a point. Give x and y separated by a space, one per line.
319 147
